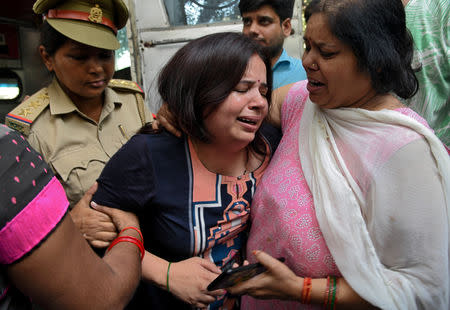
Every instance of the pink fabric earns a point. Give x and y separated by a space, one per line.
282 212
420 119
283 217
413 115
33 223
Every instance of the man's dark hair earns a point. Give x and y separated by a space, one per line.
376 32
201 75
283 8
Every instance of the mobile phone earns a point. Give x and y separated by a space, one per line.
233 276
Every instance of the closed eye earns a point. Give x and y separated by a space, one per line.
263 90
327 55
78 57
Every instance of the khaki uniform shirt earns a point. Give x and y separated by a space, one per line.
76 147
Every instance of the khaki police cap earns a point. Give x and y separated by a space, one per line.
91 22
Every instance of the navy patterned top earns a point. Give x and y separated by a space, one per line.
184 209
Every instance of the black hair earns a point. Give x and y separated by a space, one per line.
51 39
376 31
201 75
283 8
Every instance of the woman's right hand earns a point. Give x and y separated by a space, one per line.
164 118
189 278
278 282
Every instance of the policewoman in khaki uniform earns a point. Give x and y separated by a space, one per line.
83 117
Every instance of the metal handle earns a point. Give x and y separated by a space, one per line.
164 42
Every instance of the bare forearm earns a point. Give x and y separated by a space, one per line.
64 273
124 270
154 270
186 279
279 282
346 297
278 97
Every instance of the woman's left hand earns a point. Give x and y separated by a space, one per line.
278 282
120 218
95 226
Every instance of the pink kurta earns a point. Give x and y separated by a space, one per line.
283 217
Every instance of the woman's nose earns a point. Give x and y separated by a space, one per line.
258 100
308 61
94 65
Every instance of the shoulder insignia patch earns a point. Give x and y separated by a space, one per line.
22 116
125 85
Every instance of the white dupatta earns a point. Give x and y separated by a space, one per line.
340 203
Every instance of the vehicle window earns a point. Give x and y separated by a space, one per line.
196 12
123 59
10 86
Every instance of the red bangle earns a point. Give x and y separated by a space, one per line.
306 291
130 239
134 228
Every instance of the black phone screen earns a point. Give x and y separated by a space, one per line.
233 276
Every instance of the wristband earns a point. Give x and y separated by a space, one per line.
167 281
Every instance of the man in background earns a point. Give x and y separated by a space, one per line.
428 22
269 23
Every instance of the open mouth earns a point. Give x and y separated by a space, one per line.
315 83
246 120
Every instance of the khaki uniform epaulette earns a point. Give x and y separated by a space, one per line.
125 85
22 116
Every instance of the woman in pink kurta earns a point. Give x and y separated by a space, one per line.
356 198
284 222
